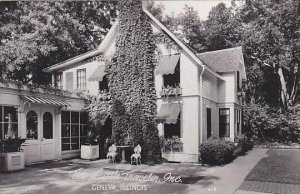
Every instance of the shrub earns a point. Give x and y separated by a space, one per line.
237 151
244 143
263 123
11 144
216 151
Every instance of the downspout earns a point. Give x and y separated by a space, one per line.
201 106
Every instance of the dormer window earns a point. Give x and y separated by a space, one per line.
81 79
58 80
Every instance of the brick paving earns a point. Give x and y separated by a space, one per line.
278 173
269 187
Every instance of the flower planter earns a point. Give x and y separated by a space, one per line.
89 152
12 161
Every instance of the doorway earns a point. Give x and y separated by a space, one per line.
40 134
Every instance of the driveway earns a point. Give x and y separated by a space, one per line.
79 176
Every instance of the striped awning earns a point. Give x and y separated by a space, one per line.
39 100
98 74
167 64
168 113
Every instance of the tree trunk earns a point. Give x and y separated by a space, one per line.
284 94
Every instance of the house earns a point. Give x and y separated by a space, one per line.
198 96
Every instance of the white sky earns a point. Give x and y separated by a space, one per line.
202 6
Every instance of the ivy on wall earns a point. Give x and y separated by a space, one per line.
131 81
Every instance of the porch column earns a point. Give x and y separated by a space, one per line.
58 150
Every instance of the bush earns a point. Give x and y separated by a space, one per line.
11 144
237 151
216 151
266 124
244 143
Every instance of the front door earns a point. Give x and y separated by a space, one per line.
39 125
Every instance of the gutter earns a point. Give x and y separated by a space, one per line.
201 107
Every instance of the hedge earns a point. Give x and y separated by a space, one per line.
216 151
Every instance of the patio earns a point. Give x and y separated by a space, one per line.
82 176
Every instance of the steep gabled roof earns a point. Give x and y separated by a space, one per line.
181 44
225 60
112 32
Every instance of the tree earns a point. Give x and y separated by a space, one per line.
35 35
192 28
131 81
222 29
271 40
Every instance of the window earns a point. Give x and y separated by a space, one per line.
103 85
48 126
81 79
58 80
238 81
173 79
73 129
208 122
224 122
8 122
171 130
31 125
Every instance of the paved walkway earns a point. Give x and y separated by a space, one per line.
225 180
279 173
79 176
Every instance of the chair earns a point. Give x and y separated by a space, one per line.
136 157
112 153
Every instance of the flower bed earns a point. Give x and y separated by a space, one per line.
276 145
171 144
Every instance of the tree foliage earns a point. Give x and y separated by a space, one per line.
131 81
269 32
35 35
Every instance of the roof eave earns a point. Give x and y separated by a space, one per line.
101 49
182 45
72 61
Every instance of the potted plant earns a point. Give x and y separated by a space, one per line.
90 147
11 156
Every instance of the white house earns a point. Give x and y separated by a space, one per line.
198 96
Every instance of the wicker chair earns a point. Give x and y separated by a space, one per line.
136 157
112 153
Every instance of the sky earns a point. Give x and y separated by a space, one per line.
202 6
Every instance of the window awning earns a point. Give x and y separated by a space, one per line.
167 64
39 100
98 74
168 113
